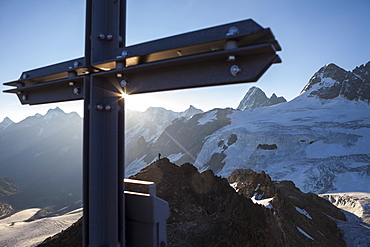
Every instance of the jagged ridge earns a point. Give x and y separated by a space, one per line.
255 97
332 81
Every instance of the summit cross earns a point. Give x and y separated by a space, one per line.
232 53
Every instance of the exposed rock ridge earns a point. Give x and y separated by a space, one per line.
206 211
295 211
332 81
255 97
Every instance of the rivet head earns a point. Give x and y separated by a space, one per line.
76 64
123 83
124 53
99 107
101 36
24 76
76 90
108 107
24 97
109 36
232 31
235 70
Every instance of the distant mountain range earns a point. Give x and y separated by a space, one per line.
319 140
42 155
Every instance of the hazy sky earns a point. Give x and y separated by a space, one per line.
35 33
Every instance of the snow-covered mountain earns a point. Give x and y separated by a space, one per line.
332 81
42 155
5 123
320 140
255 97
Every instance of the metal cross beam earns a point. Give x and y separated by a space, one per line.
232 53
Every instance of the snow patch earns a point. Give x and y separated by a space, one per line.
264 202
175 157
304 212
208 118
135 166
304 233
234 186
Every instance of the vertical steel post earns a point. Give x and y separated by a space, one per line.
106 166
103 168
85 165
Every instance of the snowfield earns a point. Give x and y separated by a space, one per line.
16 231
321 145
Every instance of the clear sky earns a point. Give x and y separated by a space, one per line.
36 33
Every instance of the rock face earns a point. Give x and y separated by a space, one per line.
302 217
255 97
249 183
332 81
7 188
206 211
356 206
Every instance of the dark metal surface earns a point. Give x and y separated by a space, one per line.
105 164
201 41
194 59
51 91
107 29
199 70
51 72
104 202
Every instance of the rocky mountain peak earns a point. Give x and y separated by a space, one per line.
6 123
191 111
363 71
56 112
255 97
331 81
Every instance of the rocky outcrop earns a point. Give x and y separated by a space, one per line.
7 188
267 146
356 206
305 219
331 81
249 183
255 97
206 211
